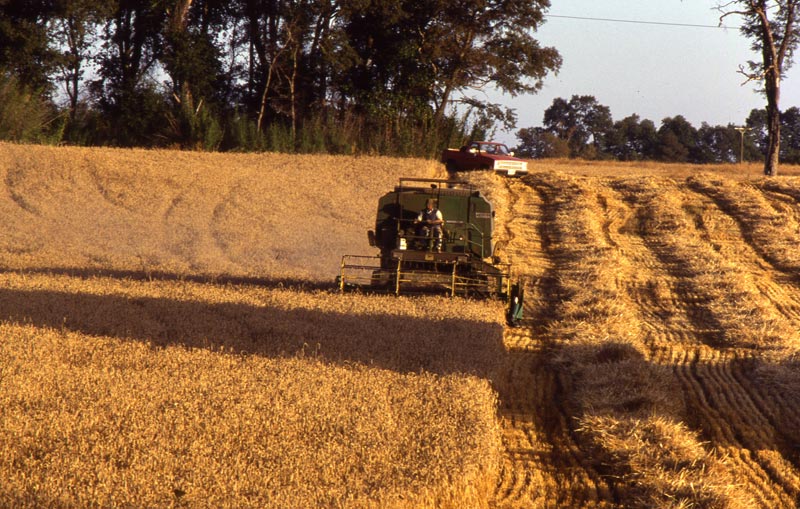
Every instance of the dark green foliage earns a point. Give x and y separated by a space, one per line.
195 128
757 123
582 123
242 135
677 140
394 77
631 139
717 144
24 50
582 128
537 142
376 76
756 140
25 116
136 118
790 132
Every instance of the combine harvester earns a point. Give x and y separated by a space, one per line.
413 260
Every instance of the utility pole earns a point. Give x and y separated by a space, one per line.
742 130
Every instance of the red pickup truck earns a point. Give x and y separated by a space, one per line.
484 155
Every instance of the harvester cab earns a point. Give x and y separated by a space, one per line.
419 254
465 231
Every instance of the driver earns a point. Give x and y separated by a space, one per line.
430 221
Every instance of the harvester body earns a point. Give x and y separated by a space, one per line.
412 259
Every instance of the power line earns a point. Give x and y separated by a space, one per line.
638 22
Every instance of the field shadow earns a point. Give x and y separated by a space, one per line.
399 343
160 275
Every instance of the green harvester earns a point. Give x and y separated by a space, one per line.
410 261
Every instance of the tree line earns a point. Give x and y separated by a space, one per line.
383 76
395 77
582 127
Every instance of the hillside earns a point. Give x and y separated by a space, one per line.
169 336
266 215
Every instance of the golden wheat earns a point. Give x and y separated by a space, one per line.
169 336
168 339
265 215
627 400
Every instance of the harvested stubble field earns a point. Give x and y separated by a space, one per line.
169 337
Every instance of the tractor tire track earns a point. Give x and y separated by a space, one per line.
775 285
724 403
637 224
777 289
674 311
715 404
18 189
747 431
621 246
543 465
703 415
190 225
758 223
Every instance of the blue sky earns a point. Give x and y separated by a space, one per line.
655 71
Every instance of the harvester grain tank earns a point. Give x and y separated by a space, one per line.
412 260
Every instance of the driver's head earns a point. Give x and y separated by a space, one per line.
429 204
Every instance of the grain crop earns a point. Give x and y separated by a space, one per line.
657 366
170 336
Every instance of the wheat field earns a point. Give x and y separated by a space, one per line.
170 336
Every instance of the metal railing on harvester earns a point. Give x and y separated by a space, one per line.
455 276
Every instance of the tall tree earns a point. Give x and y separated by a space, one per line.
400 75
24 50
756 124
73 32
631 139
27 111
132 46
790 128
474 43
677 140
717 144
538 143
774 28
582 122
757 137
281 36
192 58
436 53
